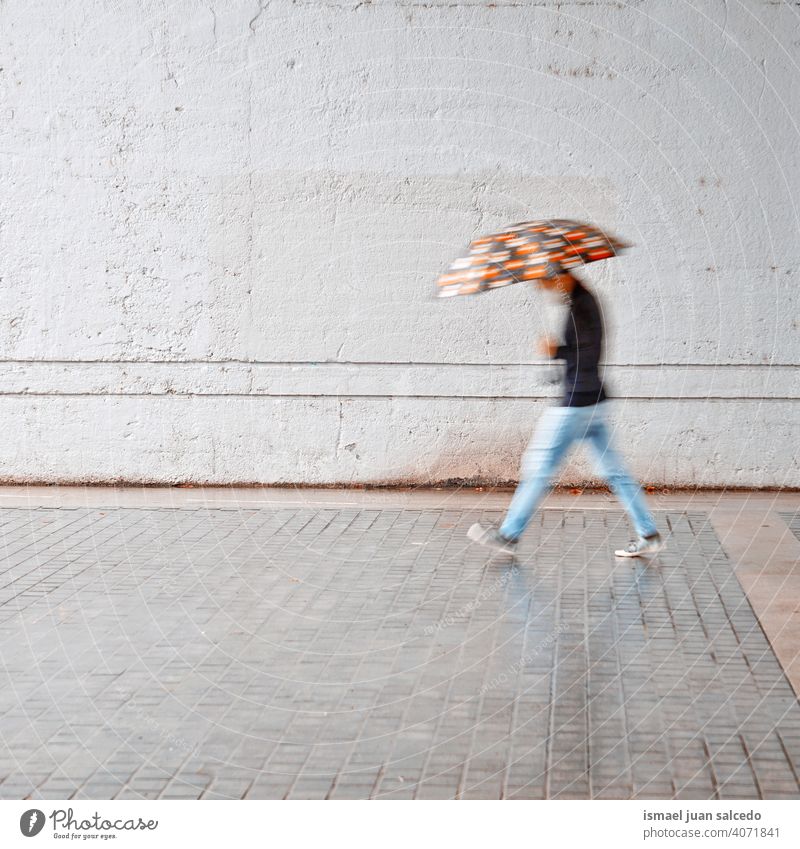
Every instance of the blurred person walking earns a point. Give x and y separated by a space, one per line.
580 417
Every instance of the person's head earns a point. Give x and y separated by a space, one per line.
560 283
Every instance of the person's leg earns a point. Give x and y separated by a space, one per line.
611 467
551 440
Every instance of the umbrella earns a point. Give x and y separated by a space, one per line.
527 251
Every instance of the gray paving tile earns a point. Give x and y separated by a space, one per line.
793 521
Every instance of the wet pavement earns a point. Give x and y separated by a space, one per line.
289 650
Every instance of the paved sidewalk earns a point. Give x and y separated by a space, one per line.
793 521
353 651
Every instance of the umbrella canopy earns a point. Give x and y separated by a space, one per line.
527 251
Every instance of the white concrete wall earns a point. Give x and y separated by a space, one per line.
220 224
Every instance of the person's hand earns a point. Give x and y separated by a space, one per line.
547 347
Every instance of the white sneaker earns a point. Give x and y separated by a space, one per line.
642 547
491 538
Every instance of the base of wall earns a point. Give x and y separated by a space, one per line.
562 488
342 442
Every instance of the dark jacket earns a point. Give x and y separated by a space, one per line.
582 349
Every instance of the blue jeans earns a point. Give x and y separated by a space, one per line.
557 430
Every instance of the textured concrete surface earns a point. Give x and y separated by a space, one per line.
221 223
358 651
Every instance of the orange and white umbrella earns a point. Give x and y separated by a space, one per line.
528 251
